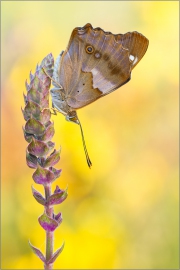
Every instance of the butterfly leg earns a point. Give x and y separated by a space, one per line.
54 111
51 78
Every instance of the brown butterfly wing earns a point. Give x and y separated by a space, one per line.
89 76
136 44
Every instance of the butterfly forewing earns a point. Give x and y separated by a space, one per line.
96 63
136 44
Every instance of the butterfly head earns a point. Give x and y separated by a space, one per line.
72 117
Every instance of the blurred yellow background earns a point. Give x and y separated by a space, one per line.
123 213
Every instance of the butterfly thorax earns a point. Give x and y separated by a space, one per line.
59 100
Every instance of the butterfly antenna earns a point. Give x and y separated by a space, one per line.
85 149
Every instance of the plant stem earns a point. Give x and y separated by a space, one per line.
49 235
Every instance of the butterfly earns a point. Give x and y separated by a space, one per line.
94 64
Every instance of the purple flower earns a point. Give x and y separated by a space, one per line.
41 155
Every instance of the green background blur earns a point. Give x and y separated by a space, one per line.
123 213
